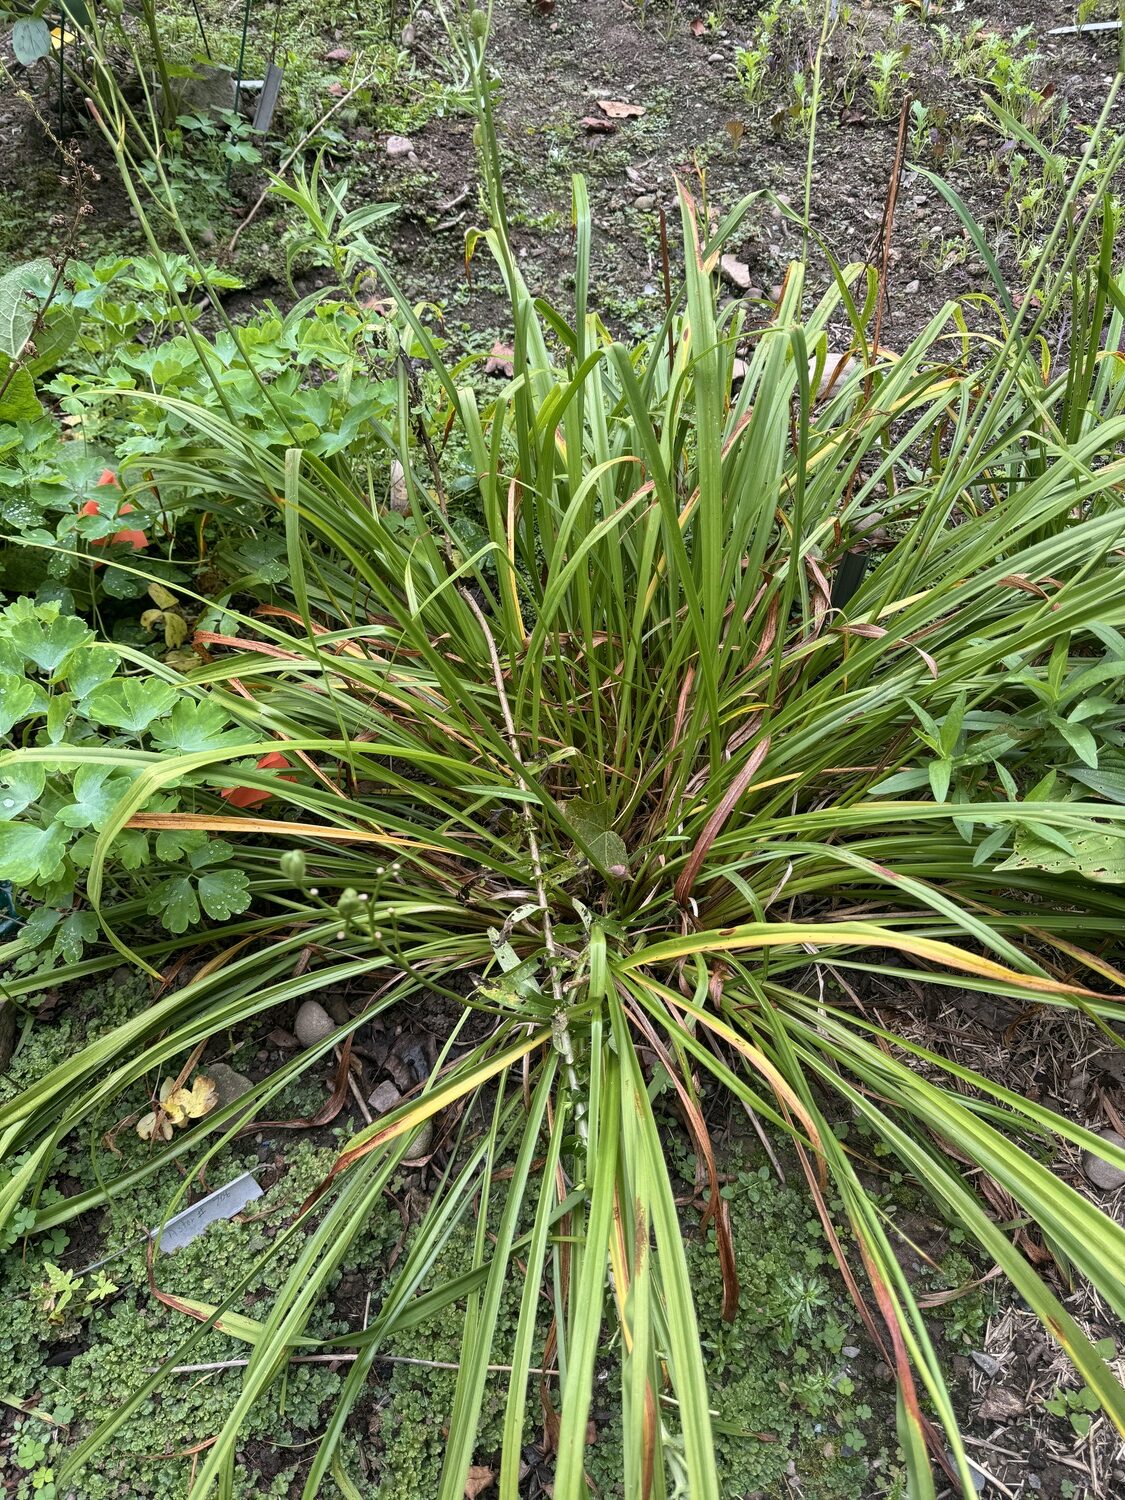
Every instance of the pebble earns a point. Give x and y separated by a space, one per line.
313 1024
229 1083
399 145
850 1351
385 1097
717 57
911 288
986 1362
1102 1173
646 202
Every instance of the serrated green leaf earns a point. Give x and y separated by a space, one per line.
44 636
97 791
19 699
129 703
224 893
173 843
89 668
210 852
175 902
193 726
21 784
29 854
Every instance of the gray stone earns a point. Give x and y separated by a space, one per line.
384 1097
1104 1174
986 1362
398 146
313 1023
646 202
229 1083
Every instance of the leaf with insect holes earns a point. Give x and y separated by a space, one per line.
1097 856
620 109
592 821
130 703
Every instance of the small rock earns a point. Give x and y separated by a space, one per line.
313 1023
1104 1174
384 1097
986 1362
339 55
836 371
717 57
850 1351
337 1008
399 146
207 236
911 288
229 1084
646 202
408 36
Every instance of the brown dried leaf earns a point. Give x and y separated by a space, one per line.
339 55
736 130
480 1478
598 126
620 109
698 26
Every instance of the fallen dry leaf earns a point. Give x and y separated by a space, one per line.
597 126
736 130
479 1480
336 90
698 26
499 362
736 271
852 117
618 109
339 55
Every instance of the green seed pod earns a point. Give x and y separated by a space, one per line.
293 866
349 904
478 23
